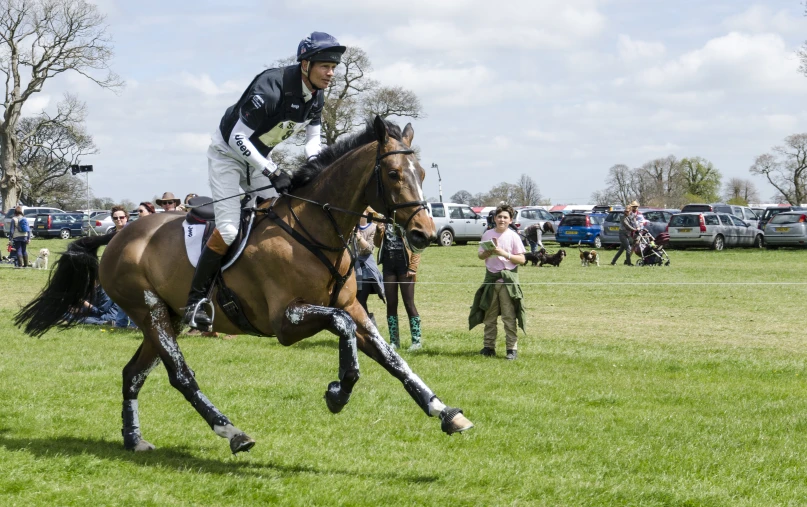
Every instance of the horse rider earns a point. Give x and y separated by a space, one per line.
276 105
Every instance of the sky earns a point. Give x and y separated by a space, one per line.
558 90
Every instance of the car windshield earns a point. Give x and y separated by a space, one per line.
684 221
788 218
573 220
614 216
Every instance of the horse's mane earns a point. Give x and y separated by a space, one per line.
329 154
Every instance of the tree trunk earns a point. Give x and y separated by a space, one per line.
9 189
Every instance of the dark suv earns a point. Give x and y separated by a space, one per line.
58 225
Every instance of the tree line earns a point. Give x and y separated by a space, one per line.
524 192
670 182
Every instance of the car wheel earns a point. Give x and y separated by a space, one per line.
446 238
759 241
65 234
597 242
718 243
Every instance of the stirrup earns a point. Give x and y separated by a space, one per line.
202 303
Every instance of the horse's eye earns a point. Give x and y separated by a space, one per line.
394 175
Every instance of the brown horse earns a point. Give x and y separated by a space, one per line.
285 289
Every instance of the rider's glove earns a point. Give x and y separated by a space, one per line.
281 181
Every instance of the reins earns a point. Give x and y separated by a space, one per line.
316 247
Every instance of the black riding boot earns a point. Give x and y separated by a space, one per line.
206 269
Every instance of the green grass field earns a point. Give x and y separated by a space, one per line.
634 386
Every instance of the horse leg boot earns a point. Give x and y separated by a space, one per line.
209 264
370 341
303 320
160 331
134 375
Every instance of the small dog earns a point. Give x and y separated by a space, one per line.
41 261
553 260
588 257
532 257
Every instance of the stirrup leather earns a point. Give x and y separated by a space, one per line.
205 304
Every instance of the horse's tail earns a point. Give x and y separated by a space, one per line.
71 282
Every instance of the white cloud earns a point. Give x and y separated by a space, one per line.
632 50
192 142
36 104
761 18
206 85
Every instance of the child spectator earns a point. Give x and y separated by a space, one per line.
500 293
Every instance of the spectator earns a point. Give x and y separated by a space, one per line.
627 226
20 236
534 235
168 202
99 311
500 293
368 277
184 206
119 217
145 209
400 271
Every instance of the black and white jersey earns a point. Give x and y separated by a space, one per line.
271 110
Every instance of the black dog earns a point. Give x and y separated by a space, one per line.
554 260
532 257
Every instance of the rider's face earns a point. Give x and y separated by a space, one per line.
320 74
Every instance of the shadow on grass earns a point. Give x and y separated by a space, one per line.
180 459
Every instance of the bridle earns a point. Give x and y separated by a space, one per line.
392 208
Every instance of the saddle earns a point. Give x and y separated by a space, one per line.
202 214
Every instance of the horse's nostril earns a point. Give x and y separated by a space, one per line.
418 239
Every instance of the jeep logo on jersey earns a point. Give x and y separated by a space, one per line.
239 141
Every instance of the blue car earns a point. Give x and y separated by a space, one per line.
583 228
57 225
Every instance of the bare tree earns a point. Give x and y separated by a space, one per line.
659 182
503 192
529 194
741 192
802 52
478 199
700 179
48 146
462 197
388 101
786 168
40 39
620 186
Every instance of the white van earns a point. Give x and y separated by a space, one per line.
456 223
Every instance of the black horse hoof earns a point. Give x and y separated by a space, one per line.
335 398
453 421
241 442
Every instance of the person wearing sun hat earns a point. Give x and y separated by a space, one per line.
168 202
627 226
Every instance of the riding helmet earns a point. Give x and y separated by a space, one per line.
320 47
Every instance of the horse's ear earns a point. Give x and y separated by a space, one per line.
380 127
408 134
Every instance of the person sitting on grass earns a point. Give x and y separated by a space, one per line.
99 311
500 293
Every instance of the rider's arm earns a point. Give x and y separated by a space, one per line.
312 140
240 143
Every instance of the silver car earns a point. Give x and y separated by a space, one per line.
100 224
786 229
456 222
712 230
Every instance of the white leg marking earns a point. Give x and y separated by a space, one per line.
228 431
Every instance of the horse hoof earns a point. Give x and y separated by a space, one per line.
334 398
453 421
241 442
141 446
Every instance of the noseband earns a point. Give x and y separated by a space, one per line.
391 208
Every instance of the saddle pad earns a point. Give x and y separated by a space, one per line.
193 240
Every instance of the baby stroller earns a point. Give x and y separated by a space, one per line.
651 250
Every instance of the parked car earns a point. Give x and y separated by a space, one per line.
742 212
61 225
456 222
528 216
29 212
655 221
580 228
712 230
772 211
787 229
100 224
605 208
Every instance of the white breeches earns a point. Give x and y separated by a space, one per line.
228 175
